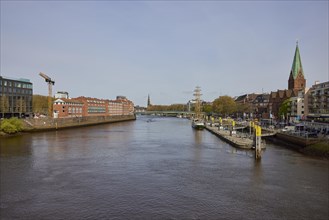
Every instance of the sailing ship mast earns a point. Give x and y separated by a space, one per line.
197 94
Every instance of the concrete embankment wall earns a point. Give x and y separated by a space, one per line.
300 141
60 123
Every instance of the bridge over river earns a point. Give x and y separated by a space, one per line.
186 114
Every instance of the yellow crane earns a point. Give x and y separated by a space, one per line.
50 89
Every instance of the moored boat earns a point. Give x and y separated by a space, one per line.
198 124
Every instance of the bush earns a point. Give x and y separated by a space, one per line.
11 126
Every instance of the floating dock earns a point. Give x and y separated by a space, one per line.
236 141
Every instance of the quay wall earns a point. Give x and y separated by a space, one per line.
299 141
242 143
41 124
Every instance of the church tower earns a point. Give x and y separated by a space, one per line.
148 101
296 80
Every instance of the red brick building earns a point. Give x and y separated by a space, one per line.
93 106
277 98
115 107
86 106
64 108
127 105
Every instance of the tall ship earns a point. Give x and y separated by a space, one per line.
197 121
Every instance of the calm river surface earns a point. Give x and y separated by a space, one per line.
155 170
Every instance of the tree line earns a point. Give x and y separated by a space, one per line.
223 105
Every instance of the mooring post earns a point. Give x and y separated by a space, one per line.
220 123
258 148
233 132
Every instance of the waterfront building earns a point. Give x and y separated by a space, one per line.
318 101
246 104
87 106
15 97
115 107
127 105
299 106
93 106
260 106
65 108
277 98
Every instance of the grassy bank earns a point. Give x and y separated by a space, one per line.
320 149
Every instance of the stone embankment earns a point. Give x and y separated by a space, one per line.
42 124
318 147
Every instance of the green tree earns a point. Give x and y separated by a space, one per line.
207 109
40 104
243 107
224 105
173 107
11 126
4 104
284 108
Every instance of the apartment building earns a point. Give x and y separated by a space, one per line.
318 101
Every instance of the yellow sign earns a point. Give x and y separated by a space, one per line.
258 131
233 123
220 120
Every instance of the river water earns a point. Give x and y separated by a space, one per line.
158 169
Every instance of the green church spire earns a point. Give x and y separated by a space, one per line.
297 64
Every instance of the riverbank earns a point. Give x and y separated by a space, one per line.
316 148
320 149
48 124
43 124
311 147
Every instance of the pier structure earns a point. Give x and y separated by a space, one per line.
229 135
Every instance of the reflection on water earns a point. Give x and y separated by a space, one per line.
15 146
155 168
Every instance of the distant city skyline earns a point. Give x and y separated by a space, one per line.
163 49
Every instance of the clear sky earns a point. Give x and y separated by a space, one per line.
163 48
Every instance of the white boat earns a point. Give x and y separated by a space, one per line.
198 124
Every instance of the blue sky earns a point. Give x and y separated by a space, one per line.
134 48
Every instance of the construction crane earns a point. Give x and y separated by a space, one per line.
50 89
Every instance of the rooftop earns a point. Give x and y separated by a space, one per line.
16 79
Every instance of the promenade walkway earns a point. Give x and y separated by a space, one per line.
235 140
